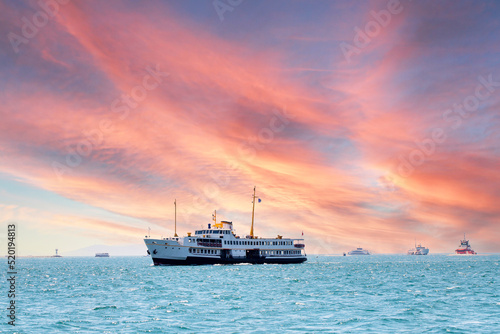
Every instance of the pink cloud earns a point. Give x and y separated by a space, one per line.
210 131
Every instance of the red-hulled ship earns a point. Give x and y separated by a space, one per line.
465 248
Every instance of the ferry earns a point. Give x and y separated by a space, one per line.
418 250
219 244
359 251
465 248
101 254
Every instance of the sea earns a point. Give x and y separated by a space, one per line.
437 293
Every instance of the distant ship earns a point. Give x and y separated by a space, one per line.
101 254
465 248
219 244
57 255
418 250
359 251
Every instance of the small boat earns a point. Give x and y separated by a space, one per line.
418 250
359 251
465 248
101 254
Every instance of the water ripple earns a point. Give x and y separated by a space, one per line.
372 294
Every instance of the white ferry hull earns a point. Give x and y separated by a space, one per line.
172 253
418 252
191 260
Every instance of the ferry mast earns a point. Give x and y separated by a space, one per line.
253 213
175 218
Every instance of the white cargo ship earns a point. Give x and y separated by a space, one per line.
219 244
418 250
359 251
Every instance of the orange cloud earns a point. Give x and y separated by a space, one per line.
126 110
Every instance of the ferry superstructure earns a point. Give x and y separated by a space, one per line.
465 248
219 244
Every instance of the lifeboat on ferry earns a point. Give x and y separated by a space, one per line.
300 245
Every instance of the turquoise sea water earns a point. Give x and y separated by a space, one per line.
371 294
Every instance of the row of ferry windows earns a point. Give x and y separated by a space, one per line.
203 251
205 240
286 252
216 252
246 243
257 243
212 232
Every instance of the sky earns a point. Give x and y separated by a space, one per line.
369 124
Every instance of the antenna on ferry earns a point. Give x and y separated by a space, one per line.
175 221
214 217
149 232
253 212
